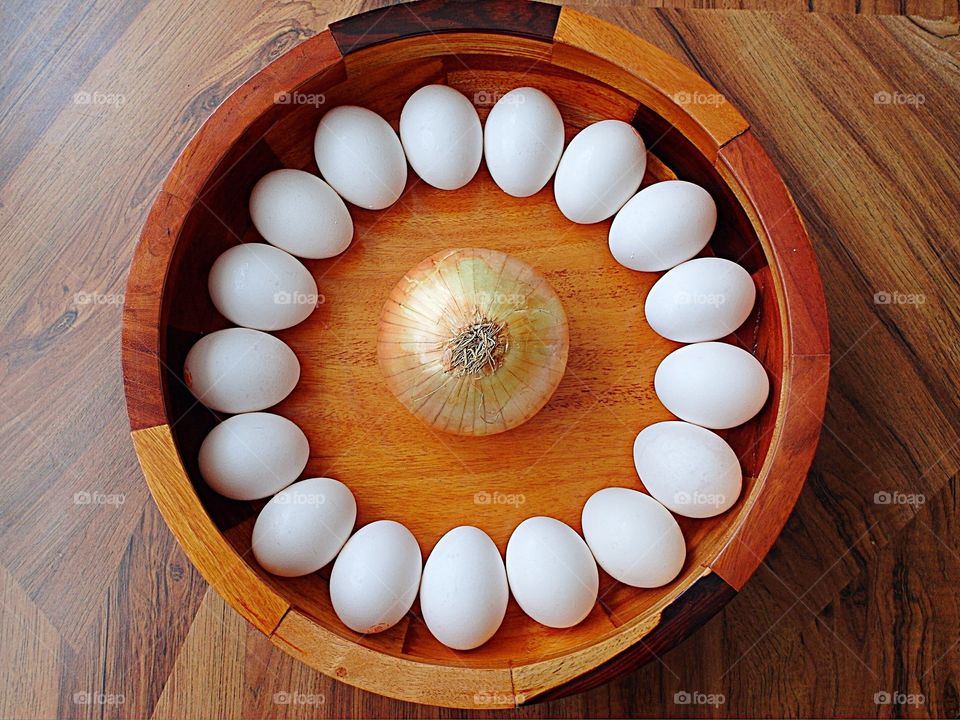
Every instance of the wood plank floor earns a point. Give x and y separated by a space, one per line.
855 611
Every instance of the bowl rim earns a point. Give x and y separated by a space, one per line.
718 130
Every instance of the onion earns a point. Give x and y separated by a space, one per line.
473 341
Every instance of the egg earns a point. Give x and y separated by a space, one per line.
303 527
441 135
361 157
252 456
463 593
712 384
701 299
551 573
634 538
599 171
522 141
239 370
298 212
376 576
687 468
663 225
261 287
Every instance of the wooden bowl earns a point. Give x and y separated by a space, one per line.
580 442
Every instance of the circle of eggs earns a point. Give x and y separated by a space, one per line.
463 592
551 570
441 136
634 538
300 213
663 225
361 157
712 384
238 370
303 527
376 577
253 455
701 299
523 141
599 171
261 287
692 471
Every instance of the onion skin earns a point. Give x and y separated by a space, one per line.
477 291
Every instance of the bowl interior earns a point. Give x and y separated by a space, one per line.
398 468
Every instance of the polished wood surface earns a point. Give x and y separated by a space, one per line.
103 615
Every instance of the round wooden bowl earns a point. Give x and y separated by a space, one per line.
578 443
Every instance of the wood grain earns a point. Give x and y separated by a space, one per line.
856 591
919 8
436 17
655 79
785 450
208 550
698 603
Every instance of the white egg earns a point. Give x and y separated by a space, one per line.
600 170
552 574
298 212
663 225
634 538
701 299
712 384
239 370
303 527
252 456
522 141
376 576
361 157
441 135
463 593
689 469
261 287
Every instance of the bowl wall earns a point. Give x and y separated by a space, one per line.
397 467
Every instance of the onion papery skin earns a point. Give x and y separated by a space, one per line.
449 293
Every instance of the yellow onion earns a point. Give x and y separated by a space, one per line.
473 342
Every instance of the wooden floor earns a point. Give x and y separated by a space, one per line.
854 613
